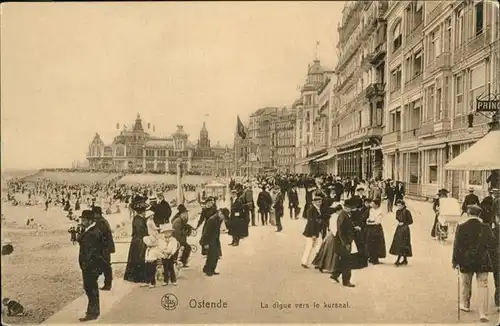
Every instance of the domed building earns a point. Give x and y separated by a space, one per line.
140 151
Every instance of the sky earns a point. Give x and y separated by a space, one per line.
69 70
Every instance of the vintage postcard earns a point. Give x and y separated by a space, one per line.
250 162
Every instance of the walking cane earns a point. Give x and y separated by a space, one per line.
458 293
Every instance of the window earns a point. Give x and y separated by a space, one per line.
439 108
417 64
395 122
476 85
479 17
360 115
433 171
475 178
418 18
396 37
409 19
120 151
447 42
430 103
396 79
408 74
459 90
459 28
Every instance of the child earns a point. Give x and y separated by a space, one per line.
170 252
153 254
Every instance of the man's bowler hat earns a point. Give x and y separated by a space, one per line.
87 214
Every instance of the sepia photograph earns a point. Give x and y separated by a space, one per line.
228 162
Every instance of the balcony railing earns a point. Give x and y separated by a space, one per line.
379 54
374 131
443 61
410 135
375 89
479 42
426 129
392 137
415 36
434 13
442 125
411 84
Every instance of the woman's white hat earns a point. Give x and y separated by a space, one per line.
166 228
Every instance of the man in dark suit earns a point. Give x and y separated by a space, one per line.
179 225
90 260
343 241
108 246
312 229
470 199
210 241
207 211
293 201
474 252
264 202
162 211
278 208
390 193
249 202
487 207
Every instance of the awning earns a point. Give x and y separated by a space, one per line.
483 155
326 158
312 159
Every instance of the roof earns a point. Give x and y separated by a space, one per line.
316 68
263 111
159 143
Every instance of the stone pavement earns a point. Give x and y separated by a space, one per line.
261 281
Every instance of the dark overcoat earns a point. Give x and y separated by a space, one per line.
239 217
475 247
211 234
136 262
90 254
314 222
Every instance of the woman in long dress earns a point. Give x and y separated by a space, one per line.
324 257
401 244
375 241
136 262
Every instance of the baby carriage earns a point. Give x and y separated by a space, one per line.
190 231
448 216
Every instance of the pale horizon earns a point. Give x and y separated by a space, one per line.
69 70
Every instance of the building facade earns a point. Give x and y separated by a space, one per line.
441 57
283 140
138 150
358 122
312 119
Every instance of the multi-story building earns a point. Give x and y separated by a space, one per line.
312 122
283 140
359 94
441 57
404 96
138 150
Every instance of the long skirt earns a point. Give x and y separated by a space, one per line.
324 257
375 242
401 244
136 262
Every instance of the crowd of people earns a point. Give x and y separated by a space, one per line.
346 214
343 229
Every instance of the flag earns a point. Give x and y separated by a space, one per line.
317 43
117 125
149 125
240 129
